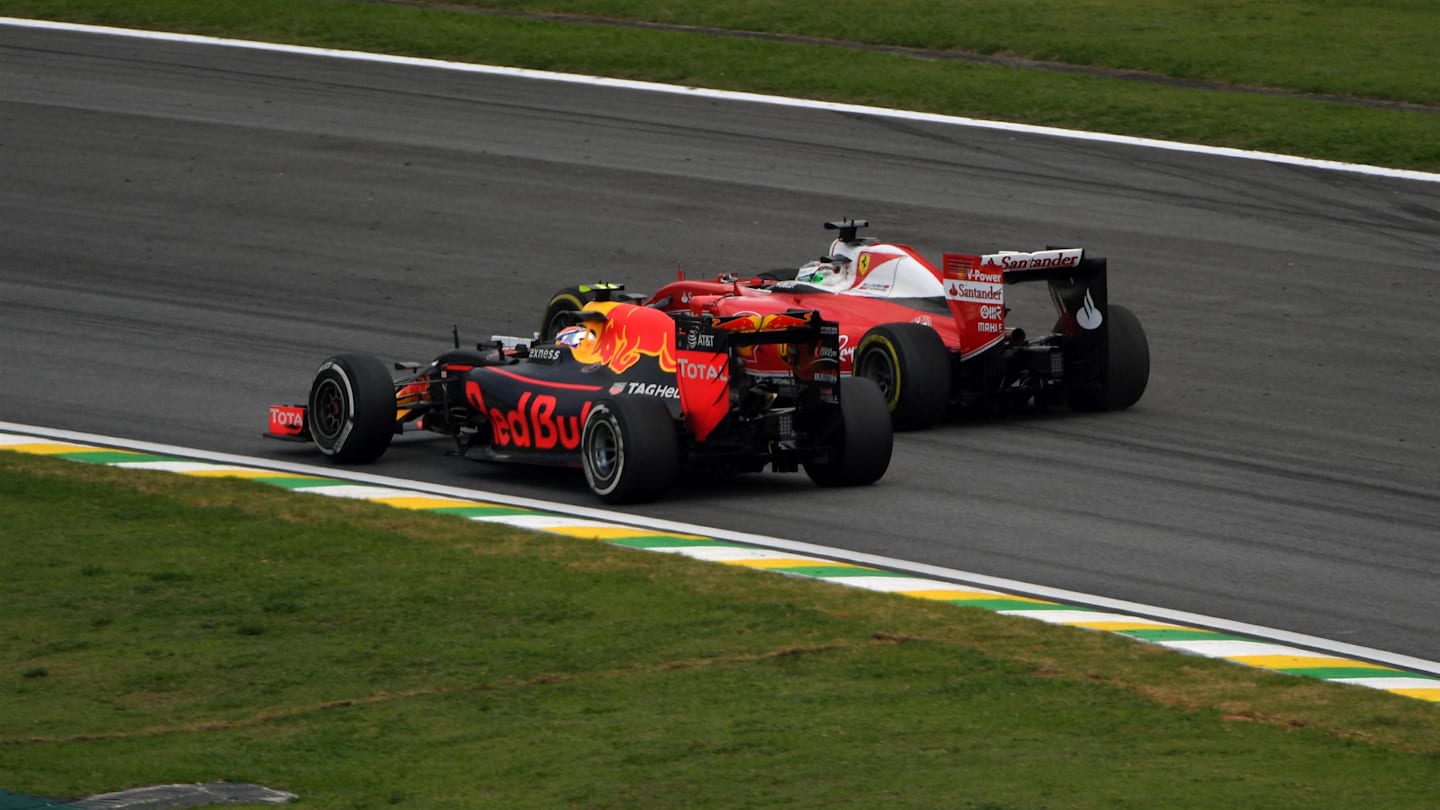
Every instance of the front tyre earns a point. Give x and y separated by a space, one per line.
1127 365
351 411
630 449
862 445
910 364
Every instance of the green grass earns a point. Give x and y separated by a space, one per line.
1380 50
1377 51
158 629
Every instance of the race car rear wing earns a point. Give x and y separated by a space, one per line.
1077 284
1082 304
715 356
974 289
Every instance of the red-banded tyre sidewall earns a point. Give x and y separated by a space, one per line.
351 411
629 449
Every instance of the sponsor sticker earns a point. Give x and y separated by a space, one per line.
652 390
1039 260
690 370
532 423
976 292
1088 316
287 420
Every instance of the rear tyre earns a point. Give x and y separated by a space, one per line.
630 449
1127 368
910 364
351 411
557 312
864 440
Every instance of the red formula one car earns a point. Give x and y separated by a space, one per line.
628 393
932 337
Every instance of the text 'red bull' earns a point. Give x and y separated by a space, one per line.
532 423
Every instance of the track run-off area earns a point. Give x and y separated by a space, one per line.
192 224
1263 648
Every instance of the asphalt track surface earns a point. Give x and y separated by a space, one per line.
186 231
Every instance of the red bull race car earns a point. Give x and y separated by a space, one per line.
934 337
630 394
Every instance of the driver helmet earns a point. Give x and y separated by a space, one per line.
572 336
830 275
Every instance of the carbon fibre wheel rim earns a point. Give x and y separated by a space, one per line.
602 452
330 408
879 366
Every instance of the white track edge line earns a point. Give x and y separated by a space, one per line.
958 576
1015 586
730 95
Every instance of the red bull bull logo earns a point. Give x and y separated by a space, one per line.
774 357
627 334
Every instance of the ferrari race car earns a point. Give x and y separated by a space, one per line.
628 393
933 337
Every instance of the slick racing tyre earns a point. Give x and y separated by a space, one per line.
629 449
351 413
862 444
911 365
557 312
1127 367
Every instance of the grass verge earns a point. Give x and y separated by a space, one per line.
1180 43
160 629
